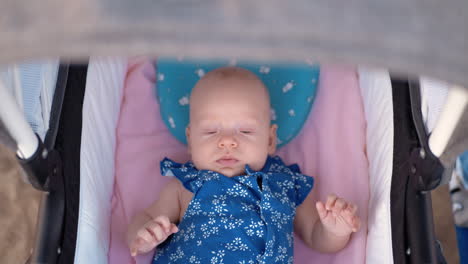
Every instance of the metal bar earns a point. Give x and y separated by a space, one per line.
450 123
14 122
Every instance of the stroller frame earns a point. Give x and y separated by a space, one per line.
405 35
416 171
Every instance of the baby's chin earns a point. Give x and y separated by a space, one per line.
230 172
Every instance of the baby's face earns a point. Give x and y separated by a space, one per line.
230 126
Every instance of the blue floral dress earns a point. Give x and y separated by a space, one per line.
242 219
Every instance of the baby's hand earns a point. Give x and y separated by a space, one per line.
153 233
338 216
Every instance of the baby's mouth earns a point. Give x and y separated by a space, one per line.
227 161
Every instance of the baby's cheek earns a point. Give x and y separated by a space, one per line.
260 160
199 159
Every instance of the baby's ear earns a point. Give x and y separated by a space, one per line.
187 136
272 139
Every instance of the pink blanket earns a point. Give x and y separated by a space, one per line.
330 147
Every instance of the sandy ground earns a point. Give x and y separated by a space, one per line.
445 231
19 204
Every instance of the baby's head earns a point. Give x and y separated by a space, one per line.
230 122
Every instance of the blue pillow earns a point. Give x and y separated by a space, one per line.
292 88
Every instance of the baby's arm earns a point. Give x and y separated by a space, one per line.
153 225
326 227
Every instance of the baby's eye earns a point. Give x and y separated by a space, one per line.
211 132
246 132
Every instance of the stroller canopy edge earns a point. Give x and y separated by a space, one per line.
405 36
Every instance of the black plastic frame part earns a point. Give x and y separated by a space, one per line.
412 223
39 167
58 217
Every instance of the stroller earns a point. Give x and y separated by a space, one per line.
419 156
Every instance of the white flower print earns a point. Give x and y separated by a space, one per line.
220 206
190 175
200 72
272 114
211 221
245 181
255 228
210 175
189 232
276 219
160 76
208 231
237 245
172 122
237 190
194 259
231 225
183 169
288 86
218 258
290 239
198 184
194 208
264 69
167 164
259 233
179 254
281 254
249 207
184 100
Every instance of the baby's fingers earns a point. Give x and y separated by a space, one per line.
137 246
351 218
157 232
356 224
174 228
339 205
351 209
322 212
145 235
134 247
330 201
164 222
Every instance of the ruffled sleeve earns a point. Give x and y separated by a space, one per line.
296 185
186 173
303 184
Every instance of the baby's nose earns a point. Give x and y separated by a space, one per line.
227 142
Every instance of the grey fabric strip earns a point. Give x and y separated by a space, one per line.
408 36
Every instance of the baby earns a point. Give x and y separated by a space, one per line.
235 202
